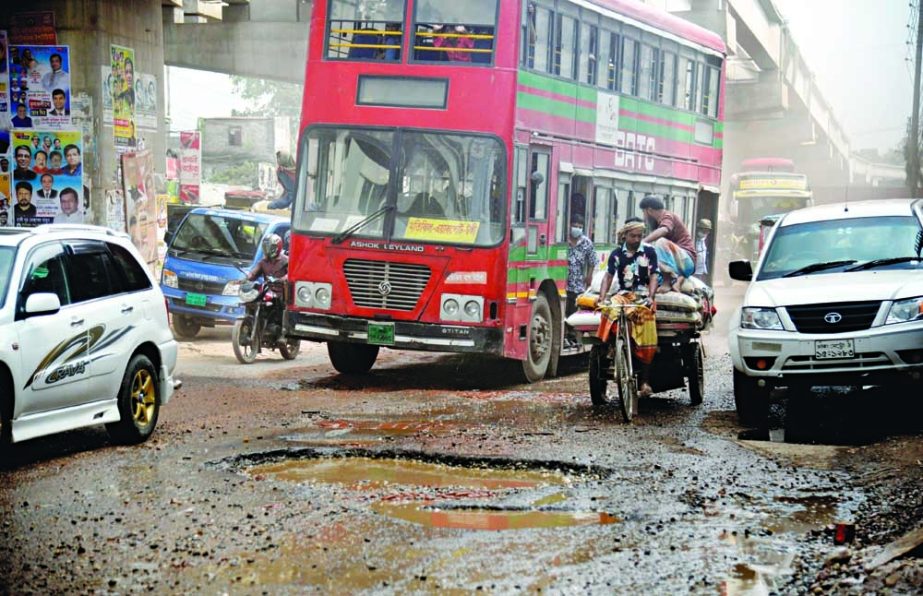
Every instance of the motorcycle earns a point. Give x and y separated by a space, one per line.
262 325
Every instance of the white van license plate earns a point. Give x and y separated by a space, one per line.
834 349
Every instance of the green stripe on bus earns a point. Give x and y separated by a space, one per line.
554 107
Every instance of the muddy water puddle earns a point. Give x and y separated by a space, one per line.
427 493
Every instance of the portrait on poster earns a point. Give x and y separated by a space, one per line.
47 177
141 202
122 69
39 86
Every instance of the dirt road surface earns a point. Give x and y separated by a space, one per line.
444 473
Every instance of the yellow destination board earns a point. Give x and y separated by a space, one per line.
441 230
783 183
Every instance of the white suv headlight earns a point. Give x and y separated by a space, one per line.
760 318
168 278
904 311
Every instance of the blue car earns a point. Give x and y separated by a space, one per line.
207 257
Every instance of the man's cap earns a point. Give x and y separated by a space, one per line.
705 224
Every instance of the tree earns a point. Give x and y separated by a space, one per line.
268 98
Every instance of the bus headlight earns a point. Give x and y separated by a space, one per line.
309 294
457 307
322 295
168 279
450 308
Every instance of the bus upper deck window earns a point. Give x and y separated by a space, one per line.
460 32
365 30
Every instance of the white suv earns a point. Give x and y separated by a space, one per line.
836 299
84 337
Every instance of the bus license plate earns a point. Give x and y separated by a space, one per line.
196 299
381 334
834 349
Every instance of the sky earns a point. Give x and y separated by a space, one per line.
858 52
856 48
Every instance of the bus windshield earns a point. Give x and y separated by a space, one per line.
442 187
753 209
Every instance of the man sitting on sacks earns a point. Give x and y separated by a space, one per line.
634 266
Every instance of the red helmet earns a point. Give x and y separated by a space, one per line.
272 247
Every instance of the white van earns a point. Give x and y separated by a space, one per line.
836 299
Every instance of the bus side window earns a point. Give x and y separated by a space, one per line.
519 205
538 199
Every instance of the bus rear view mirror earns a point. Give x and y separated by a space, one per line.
740 270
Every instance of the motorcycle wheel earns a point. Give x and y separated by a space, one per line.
243 328
289 348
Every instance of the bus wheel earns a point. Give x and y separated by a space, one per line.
351 358
541 334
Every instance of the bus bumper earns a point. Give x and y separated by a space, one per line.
408 335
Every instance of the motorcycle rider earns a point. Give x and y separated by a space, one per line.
274 263
273 266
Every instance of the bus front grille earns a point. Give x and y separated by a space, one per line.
386 285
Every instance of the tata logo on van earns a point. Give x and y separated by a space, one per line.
833 318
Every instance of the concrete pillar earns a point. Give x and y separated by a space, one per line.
89 27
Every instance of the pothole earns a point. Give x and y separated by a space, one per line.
439 492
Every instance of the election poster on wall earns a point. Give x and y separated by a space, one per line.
146 101
47 177
4 81
108 92
5 188
39 86
190 158
33 28
141 202
122 69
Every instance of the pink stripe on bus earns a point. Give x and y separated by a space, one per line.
655 120
556 96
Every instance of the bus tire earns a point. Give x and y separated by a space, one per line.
351 359
540 341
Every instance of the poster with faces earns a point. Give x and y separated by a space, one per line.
46 178
39 86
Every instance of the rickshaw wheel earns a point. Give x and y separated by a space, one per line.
625 378
695 371
599 364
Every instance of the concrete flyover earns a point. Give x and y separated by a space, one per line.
256 38
773 106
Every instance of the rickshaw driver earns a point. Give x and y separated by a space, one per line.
634 266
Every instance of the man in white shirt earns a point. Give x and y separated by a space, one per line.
69 204
45 191
57 78
701 248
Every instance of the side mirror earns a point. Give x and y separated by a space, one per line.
42 303
740 270
167 237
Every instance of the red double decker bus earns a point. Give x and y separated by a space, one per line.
447 145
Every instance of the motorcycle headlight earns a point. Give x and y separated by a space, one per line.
232 288
168 279
903 311
248 292
760 318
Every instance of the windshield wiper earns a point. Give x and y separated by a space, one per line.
360 224
883 263
818 267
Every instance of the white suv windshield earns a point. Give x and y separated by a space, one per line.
851 241
404 185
